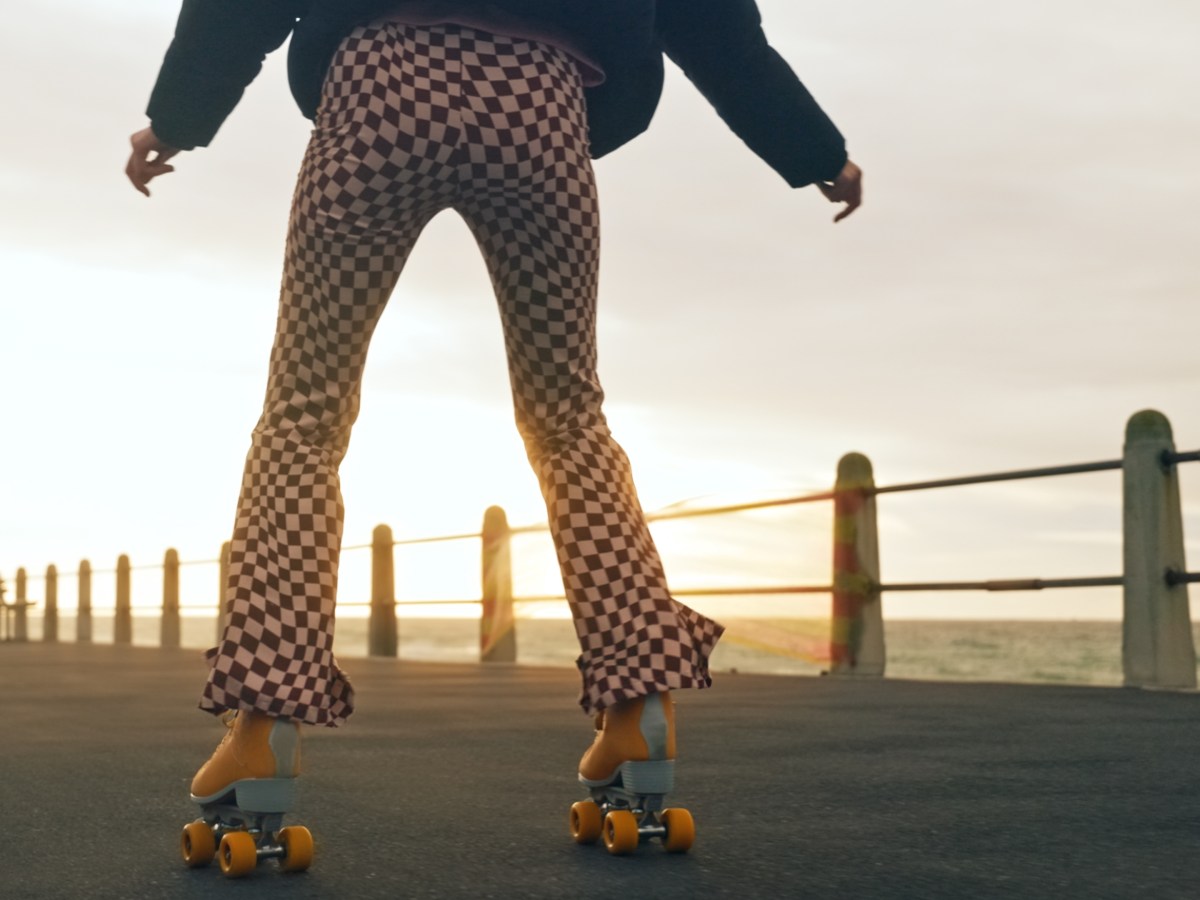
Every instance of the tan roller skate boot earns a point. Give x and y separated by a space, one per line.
629 770
632 731
256 748
243 791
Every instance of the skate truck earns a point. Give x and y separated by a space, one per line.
245 825
630 810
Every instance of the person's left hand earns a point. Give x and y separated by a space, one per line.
846 188
148 159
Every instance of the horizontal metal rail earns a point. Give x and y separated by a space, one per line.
757 590
1172 577
667 515
1175 577
366 603
1006 584
663 516
1168 459
820 496
1017 475
733 591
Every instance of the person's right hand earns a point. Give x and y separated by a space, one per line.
846 188
148 159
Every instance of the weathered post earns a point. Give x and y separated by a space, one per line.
1157 647
20 617
83 614
856 640
123 614
169 626
50 616
381 630
223 592
497 626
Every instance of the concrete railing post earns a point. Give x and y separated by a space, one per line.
123 613
20 616
50 615
169 626
1157 646
83 613
381 631
497 625
856 640
223 592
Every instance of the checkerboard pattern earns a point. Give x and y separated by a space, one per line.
415 120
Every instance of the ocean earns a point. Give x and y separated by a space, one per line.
1058 652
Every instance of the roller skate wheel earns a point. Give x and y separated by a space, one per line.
197 844
238 854
620 832
586 823
681 830
297 843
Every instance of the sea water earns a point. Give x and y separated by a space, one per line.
1062 652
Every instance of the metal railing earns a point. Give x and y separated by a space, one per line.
1155 572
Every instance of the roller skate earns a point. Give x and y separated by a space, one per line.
629 770
243 792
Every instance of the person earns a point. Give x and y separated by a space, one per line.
494 110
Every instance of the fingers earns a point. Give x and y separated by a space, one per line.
851 196
846 188
141 172
851 206
133 171
148 160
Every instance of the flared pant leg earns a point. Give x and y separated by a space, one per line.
370 180
529 196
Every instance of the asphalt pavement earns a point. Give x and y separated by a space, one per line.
455 781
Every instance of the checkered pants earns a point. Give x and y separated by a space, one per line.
414 121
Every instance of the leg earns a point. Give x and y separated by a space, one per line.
366 189
533 211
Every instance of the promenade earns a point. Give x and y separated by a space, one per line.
455 780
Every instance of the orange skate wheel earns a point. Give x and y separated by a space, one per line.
586 824
620 832
238 854
681 830
197 844
297 843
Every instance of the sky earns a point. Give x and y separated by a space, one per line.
1020 280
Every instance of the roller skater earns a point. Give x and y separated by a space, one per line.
243 791
493 110
629 770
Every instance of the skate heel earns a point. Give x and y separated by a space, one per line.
284 741
653 777
265 795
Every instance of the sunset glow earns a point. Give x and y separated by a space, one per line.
1020 281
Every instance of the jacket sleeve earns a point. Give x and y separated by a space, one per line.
721 48
218 49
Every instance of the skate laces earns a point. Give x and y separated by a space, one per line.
227 719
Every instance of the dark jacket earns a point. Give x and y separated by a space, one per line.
219 47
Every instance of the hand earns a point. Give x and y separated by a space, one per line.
148 159
846 188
